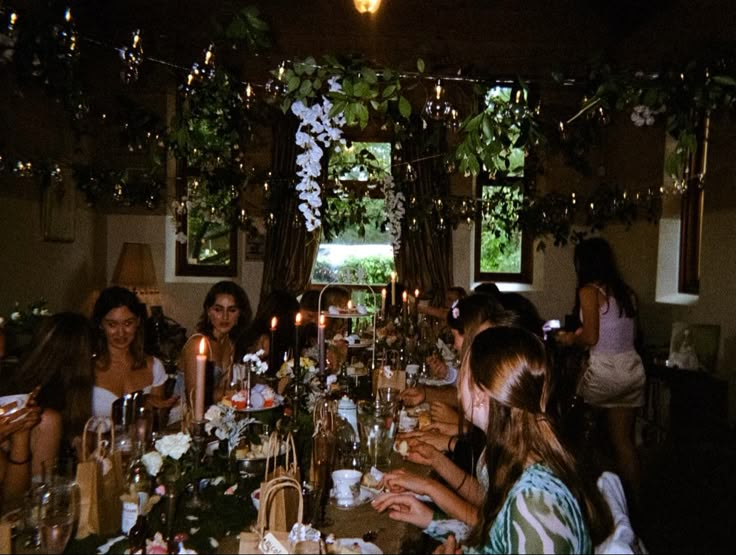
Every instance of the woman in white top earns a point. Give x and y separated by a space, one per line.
122 366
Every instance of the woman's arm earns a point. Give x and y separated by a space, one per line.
587 335
45 440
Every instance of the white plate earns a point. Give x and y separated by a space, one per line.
366 495
19 400
365 547
447 380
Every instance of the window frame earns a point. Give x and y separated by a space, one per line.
185 268
526 273
371 135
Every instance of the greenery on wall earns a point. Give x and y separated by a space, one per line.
216 119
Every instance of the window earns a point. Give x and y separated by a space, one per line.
211 245
499 256
356 248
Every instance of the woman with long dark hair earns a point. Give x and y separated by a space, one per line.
614 378
61 365
226 313
122 366
538 499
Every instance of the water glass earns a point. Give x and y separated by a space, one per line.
59 515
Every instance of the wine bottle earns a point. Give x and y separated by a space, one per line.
137 536
138 489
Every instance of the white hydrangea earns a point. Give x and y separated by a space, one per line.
153 462
174 445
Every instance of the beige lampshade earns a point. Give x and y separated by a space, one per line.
134 269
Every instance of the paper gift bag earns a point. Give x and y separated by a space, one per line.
283 508
272 531
6 533
389 378
100 479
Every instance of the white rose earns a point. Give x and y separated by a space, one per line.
174 445
213 413
153 461
15 316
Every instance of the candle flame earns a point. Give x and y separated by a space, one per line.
383 292
404 296
274 321
298 320
416 293
322 321
202 346
393 277
350 305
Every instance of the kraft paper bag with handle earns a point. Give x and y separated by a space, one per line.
270 537
100 479
389 378
284 506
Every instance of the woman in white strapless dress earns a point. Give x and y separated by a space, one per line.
122 366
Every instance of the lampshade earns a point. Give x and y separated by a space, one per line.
367 6
134 269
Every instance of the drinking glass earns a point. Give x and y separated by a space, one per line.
58 516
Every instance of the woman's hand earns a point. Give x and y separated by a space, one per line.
443 428
404 507
450 547
442 412
437 367
20 421
400 481
435 439
413 396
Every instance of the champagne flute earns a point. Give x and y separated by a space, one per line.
60 513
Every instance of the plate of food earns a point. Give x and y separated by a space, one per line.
346 546
448 379
262 397
11 404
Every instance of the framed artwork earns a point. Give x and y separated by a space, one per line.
694 346
58 210
255 247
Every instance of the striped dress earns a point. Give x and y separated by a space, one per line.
540 515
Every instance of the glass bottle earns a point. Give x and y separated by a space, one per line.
137 535
138 488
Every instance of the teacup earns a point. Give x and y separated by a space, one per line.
347 485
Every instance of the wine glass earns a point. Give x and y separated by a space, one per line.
59 516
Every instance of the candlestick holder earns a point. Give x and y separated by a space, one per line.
199 439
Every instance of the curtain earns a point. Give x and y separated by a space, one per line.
290 250
424 259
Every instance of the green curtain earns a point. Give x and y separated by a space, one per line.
290 250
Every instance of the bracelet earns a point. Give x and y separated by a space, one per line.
449 443
465 476
24 461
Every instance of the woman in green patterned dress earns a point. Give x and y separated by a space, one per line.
539 500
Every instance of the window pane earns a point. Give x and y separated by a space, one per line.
499 252
350 258
208 235
361 253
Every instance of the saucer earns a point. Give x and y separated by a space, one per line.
366 495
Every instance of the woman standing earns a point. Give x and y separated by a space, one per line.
226 313
122 366
615 378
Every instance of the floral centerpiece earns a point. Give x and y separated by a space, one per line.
242 399
167 462
224 423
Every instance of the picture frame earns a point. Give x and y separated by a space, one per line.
58 210
255 246
694 346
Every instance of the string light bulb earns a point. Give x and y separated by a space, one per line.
249 96
132 57
437 108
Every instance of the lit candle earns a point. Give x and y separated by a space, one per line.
350 321
350 305
404 297
393 288
272 347
416 294
297 353
321 342
383 301
199 383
